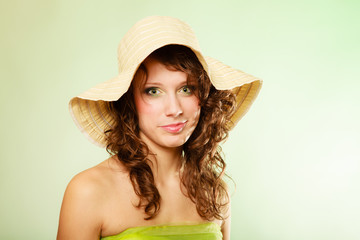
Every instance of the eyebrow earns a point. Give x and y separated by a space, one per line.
155 83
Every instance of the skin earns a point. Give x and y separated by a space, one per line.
165 99
101 201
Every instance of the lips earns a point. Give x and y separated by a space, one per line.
174 128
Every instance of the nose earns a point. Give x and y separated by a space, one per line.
173 106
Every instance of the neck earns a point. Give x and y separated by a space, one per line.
165 163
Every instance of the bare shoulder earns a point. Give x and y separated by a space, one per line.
82 210
89 184
96 181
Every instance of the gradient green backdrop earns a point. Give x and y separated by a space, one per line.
295 156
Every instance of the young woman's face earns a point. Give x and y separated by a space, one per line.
167 106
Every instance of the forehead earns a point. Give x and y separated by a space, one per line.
153 71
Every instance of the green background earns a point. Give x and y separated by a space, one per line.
295 157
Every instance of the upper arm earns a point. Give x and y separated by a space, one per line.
80 216
225 227
226 224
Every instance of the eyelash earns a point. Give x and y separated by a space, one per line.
189 88
147 91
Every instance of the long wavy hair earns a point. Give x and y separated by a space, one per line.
203 167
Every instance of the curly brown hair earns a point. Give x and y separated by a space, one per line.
204 166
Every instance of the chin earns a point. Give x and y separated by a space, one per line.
175 143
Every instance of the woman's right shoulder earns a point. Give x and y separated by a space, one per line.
86 184
98 179
85 200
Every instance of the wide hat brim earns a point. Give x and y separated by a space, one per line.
90 110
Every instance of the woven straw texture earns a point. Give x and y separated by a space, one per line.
90 110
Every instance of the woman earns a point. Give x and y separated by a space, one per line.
161 119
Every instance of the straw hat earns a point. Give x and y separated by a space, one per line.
90 110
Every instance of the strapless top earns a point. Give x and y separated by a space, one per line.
201 231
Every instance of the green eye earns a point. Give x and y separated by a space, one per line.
186 89
152 91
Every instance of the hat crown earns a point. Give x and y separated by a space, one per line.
150 34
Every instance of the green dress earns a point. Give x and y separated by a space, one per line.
202 231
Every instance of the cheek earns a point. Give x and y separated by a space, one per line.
143 113
193 106
193 112
141 107
145 108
